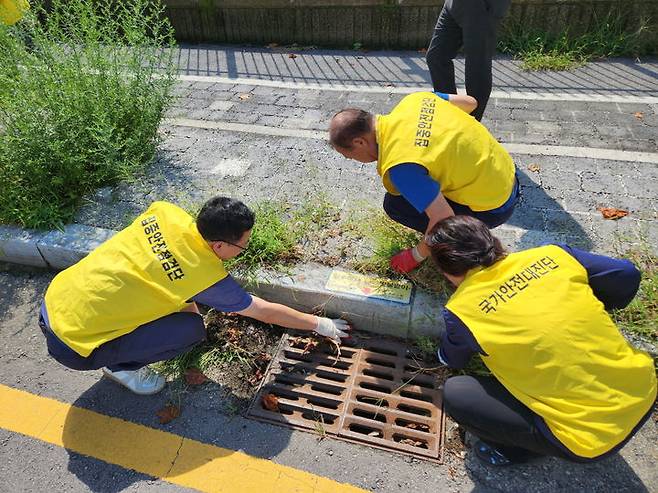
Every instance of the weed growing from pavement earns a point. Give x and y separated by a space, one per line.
640 317
427 346
388 238
608 37
278 233
85 86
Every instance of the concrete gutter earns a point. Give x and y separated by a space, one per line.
302 288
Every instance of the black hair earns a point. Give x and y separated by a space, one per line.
459 243
347 125
224 219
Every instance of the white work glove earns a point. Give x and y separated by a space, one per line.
334 329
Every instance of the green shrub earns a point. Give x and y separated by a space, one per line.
540 50
83 88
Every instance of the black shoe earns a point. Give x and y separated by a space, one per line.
492 456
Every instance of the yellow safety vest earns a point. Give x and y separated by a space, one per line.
146 271
457 151
11 11
550 342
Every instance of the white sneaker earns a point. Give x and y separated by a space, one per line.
143 381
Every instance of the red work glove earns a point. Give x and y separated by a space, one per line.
406 261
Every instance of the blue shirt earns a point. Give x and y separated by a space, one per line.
613 281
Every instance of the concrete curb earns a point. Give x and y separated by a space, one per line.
302 288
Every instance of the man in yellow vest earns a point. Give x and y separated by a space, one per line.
132 301
565 381
434 159
11 11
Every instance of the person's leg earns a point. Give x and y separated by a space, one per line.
162 339
494 217
483 406
446 41
401 211
479 32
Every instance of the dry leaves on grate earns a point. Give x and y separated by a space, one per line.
193 376
306 344
612 212
412 442
168 413
271 402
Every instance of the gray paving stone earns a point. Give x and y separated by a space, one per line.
562 180
602 183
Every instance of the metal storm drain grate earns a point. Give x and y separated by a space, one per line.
372 393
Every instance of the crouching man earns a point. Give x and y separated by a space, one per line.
132 301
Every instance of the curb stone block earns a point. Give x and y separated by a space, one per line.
19 246
426 315
304 288
61 249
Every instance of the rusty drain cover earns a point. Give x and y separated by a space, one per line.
373 394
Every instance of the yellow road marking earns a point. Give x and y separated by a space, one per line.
196 465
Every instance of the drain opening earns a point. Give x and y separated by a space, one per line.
378 374
375 387
416 396
414 380
327 419
308 358
366 430
380 350
334 377
414 442
344 353
366 399
326 403
412 425
328 389
375 361
362 413
414 410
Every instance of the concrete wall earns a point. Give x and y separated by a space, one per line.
372 23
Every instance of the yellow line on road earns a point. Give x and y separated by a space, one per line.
160 454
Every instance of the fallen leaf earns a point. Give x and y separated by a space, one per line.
639 115
310 346
168 413
244 96
193 376
233 334
292 55
534 167
271 402
412 442
256 378
612 212
272 45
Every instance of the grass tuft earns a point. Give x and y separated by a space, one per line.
641 316
540 50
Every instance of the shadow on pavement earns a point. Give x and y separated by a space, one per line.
551 474
201 419
544 219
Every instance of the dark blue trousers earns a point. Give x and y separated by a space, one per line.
401 211
162 339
